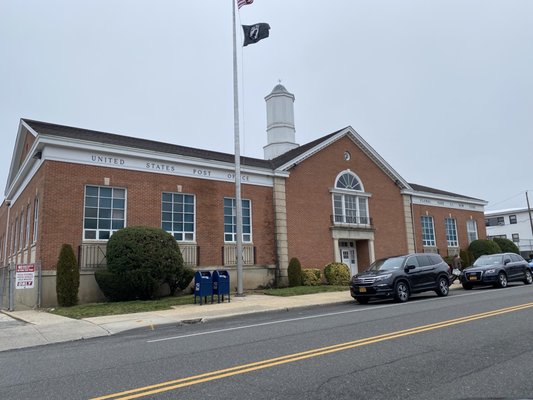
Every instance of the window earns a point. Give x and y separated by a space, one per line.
471 230
516 237
350 204
495 221
21 231
28 226
497 236
15 236
35 219
105 210
428 231
230 220
512 219
177 215
451 232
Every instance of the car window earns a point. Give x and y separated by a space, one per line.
424 260
488 260
412 261
387 264
515 257
435 259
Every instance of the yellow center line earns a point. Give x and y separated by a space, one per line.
258 365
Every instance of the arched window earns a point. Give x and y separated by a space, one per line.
350 202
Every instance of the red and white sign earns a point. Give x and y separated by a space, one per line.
25 276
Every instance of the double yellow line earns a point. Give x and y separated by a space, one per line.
272 362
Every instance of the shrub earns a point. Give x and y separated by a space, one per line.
114 286
142 259
295 272
185 278
466 258
506 245
67 277
311 277
481 247
337 274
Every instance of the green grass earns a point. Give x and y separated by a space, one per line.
300 290
128 307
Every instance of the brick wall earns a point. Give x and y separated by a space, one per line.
309 204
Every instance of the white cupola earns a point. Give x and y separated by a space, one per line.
280 123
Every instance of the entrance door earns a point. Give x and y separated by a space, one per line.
349 255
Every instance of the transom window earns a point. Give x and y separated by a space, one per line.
230 220
350 203
428 231
451 232
105 211
177 215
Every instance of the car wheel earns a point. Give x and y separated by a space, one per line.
529 278
443 287
362 300
401 292
502 280
467 286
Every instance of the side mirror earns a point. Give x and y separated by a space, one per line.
506 262
409 267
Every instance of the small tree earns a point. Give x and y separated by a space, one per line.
506 245
481 247
337 274
295 272
67 277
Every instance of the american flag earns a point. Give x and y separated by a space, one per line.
241 3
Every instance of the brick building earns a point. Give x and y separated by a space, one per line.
333 199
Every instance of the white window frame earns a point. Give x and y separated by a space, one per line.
471 230
28 227
428 231
451 232
231 236
186 235
349 200
35 220
97 230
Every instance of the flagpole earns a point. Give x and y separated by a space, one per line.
238 201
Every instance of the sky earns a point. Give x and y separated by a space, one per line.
441 89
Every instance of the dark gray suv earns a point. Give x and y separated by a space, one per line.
398 277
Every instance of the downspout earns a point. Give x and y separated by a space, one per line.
413 221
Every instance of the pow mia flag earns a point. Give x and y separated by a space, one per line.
254 33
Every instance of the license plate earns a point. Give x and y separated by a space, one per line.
362 289
472 278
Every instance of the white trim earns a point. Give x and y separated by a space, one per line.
435 200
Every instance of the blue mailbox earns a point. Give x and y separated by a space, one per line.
203 285
221 284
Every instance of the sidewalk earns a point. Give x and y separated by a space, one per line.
21 329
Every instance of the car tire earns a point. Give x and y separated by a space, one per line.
362 300
529 278
401 292
467 286
502 280
443 286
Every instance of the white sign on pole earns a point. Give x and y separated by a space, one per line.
25 276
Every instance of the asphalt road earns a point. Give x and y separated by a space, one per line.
469 345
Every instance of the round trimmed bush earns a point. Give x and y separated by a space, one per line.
481 247
337 274
311 277
506 245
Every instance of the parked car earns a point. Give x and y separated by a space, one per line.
497 270
400 276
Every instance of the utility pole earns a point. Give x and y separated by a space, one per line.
529 212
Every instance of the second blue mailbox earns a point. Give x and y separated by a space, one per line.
203 285
221 284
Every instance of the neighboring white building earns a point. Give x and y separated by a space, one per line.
513 224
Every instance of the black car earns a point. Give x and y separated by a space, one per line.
497 270
398 277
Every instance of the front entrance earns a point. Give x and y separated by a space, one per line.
349 255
